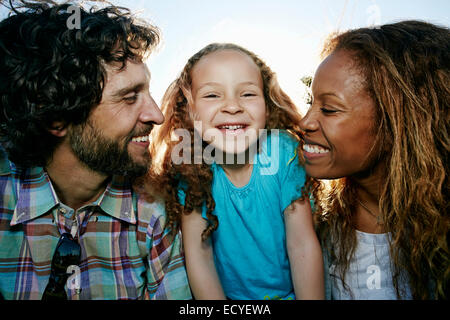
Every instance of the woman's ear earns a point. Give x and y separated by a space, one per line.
58 129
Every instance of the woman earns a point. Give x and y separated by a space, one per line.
379 127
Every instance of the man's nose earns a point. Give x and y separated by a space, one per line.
150 112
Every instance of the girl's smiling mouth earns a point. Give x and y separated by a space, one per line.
233 129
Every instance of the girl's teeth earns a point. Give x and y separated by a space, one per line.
232 127
314 149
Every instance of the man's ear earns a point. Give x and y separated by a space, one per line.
58 129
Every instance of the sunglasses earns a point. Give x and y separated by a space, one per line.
67 253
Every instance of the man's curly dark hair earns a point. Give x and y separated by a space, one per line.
49 72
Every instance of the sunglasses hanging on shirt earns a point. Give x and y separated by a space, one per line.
67 253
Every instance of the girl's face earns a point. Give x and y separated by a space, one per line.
339 125
228 100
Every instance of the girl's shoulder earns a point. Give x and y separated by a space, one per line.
279 155
283 144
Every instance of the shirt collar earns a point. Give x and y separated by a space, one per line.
118 200
5 165
35 193
36 196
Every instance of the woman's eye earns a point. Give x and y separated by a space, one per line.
249 94
327 110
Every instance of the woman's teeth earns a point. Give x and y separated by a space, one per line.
140 139
314 149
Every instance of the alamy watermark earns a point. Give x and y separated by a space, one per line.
74 20
74 280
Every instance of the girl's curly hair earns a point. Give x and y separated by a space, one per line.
49 72
282 114
406 66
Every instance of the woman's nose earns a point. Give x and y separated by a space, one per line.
309 121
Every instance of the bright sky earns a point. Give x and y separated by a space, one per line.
287 34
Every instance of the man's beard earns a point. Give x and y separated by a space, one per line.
104 155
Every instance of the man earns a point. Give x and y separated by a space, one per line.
75 117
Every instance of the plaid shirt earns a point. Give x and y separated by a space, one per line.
126 251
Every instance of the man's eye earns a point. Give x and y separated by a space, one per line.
131 99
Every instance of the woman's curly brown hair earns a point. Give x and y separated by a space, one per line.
406 67
282 114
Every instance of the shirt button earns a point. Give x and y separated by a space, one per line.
127 213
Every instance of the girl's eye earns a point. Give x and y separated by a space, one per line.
249 94
211 95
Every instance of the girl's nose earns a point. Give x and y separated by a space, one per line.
232 106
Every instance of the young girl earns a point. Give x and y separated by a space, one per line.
246 219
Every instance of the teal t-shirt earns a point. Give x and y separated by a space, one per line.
249 244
